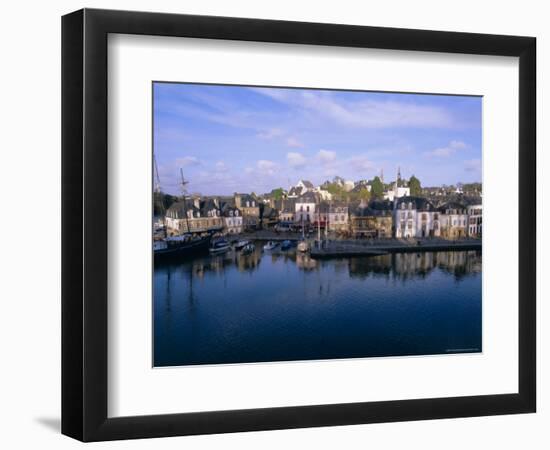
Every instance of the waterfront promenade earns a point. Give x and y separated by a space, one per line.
332 249
341 247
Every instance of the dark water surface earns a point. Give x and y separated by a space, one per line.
279 307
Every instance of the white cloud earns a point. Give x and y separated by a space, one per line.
266 167
363 113
293 142
221 166
445 152
187 161
295 159
361 163
326 156
270 134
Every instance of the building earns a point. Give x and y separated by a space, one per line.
399 189
415 217
323 193
194 216
397 192
269 216
338 218
475 213
233 219
300 188
287 215
304 210
454 220
374 220
250 210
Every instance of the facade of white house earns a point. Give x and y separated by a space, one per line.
397 192
305 211
475 213
233 221
415 217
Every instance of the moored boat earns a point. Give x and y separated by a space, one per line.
241 244
220 246
179 247
270 245
303 246
248 249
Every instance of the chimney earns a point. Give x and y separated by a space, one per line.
238 200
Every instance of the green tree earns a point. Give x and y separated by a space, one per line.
377 188
414 185
336 190
277 194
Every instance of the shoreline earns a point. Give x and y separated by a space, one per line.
380 249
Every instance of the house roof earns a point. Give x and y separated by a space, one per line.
307 184
180 208
308 197
451 205
418 203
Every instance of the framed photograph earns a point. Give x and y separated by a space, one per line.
272 224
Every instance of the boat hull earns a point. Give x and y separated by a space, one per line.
180 251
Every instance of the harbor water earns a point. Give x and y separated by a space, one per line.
286 306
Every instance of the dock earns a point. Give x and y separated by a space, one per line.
340 249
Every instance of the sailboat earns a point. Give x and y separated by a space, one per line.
177 247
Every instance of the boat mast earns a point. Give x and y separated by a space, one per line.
184 183
318 221
158 192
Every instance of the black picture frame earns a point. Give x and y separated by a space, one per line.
84 224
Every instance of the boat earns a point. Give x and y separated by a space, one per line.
220 246
303 246
176 247
286 245
241 244
248 249
270 245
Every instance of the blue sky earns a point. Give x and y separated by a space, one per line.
248 139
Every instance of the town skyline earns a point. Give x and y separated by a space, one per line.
229 139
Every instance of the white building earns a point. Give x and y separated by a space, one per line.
323 194
300 188
233 220
305 208
415 217
397 192
348 185
475 213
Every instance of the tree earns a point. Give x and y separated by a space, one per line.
377 188
414 185
277 194
358 195
336 190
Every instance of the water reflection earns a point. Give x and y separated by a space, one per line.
282 306
396 265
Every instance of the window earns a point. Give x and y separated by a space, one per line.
342 218
307 209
